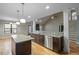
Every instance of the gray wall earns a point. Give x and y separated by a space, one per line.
22 29
53 24
72 26
1 29
72 29
78 30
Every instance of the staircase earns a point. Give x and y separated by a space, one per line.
72 36
72 30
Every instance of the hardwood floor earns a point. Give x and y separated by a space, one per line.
40 50
37 49
74 49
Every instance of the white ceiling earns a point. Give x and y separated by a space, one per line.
8 11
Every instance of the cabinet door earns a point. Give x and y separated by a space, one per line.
38 39
23 48
34 36
56 44
41 40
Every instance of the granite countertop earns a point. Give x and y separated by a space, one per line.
21 38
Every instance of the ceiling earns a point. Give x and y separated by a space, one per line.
8 11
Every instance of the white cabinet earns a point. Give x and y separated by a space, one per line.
48 42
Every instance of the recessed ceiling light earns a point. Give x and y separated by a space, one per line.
29 16
73 8
52 17
47 7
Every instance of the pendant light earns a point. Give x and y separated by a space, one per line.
22 20
18 22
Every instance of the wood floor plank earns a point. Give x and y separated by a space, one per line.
74 49
40 50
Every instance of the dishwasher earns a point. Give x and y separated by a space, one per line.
49 42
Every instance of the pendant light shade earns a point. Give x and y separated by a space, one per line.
22 21
10 22
18 23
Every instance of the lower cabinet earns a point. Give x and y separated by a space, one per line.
23 48
58 44
38 38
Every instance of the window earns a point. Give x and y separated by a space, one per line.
30 29
14 27
73 15
61 28
10 28
37 27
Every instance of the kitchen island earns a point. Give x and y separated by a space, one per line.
15 44
23 44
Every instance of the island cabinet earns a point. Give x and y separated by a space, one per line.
58 44
38 39
23 48
23 44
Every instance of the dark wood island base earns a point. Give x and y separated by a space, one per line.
23 48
